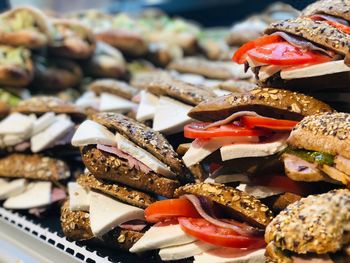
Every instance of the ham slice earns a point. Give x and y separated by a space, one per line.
134 225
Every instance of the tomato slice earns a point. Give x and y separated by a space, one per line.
196 131
341 27
167 209
207 232
285 54
269 123
240 55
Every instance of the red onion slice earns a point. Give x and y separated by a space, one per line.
231 118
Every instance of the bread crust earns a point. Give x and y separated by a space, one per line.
338 8
33 166
109 167
246 206
112 86
268 102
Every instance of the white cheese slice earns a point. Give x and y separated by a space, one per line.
55 131
106 213
221 92
36 194
13 139
210 257
321 69
3 181
267 71
90 132
259 191
161 237
147 106
193 79
170 116
142 155
243 150
43 122
18 124
253 63
12 188
88 99
110 102
184 251
79 197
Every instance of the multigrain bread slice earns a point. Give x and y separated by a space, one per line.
268 102
337 8
246 206
33 166
327 132
121 193
107 166
113 86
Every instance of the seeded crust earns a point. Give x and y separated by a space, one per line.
280 202
4 109
33 166
180 90
143 136
274 254
42 104
246 206
318 32
112 86
142 80
268 102
338 8
17 76
27 38
109 167
327 132
239 86
122 193
317 223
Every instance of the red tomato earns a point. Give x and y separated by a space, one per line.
207 232
270 123
341 27
285 54
167 209
240 55
195 131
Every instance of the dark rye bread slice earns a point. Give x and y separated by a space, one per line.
122 193
33 166
112 86
245 206
318 32
180 90
143 136
268 102
107 166
338 8
327 132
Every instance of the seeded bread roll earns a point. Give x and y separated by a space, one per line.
268 102
327 132
122 193
317 224
112 86
246 206
338 8
33 166
107 166
318 32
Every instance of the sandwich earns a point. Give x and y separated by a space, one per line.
54 74
117 148
26 27
161 54
71 39
314 229
105 62
302 54
108 95
319 149
16 67
210 222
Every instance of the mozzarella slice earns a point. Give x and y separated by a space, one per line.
267 71
56 130
143 156
36 194
88 99
321 69
259 191
106 213
12 188
161 237
79 197
109 102
90 132
147 106
17 124
43 122
184 251
210 257
170 115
